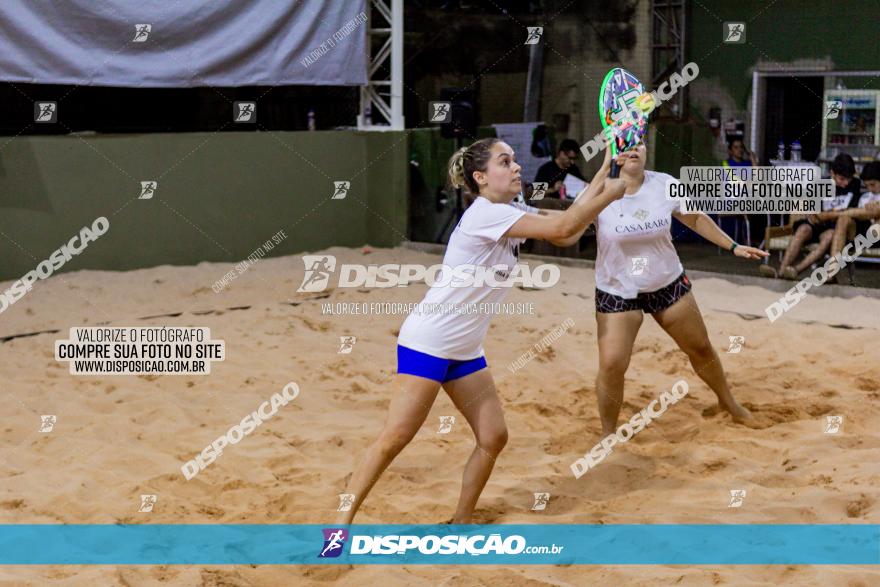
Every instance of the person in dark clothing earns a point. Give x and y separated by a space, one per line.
554 172
830 228
738 155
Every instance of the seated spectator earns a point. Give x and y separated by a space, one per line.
738 155
830 229
554 172
868 210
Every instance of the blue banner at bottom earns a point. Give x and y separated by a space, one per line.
491 544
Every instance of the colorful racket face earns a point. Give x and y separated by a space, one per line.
621 118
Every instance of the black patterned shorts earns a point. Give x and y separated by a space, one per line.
649 302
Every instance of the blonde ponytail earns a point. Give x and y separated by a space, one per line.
466 161
456 168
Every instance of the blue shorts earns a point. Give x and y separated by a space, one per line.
412 362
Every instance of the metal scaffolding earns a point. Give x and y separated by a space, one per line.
381 104
668 49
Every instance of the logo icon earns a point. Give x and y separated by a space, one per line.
639 264
833 424
340 190
47 423
45 112
244 111
539 188
737 496
141 32
147 503
334 540
346 344
736 344
440 111
541 500
734 32
446 423
318 271
345 502
148 188
641 214
832 108
534 36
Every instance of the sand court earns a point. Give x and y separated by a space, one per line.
117 438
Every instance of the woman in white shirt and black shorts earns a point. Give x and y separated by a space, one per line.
638 272
437 349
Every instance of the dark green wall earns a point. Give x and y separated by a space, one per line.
220 195
845 31
432 152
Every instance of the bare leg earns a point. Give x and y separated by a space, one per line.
684 323
617 333
408 410
817 253
844 232
477 399
800 236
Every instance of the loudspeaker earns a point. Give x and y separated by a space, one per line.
463 121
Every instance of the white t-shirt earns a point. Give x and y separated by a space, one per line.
635 253
839 202
477 240
867 198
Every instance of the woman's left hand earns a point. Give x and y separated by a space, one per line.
749 252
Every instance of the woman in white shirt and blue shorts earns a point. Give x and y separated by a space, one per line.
437 349
638 272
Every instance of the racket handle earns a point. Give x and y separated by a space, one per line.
615 170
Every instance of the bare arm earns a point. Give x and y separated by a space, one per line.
565 228
588 193
869 212
829 215
706 228
753 158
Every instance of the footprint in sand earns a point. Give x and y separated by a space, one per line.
217 578
357 388
210 511
325 573
867 384
315 326
546 356
491 514
858 508
713 466
767 415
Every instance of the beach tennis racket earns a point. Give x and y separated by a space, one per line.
621 110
